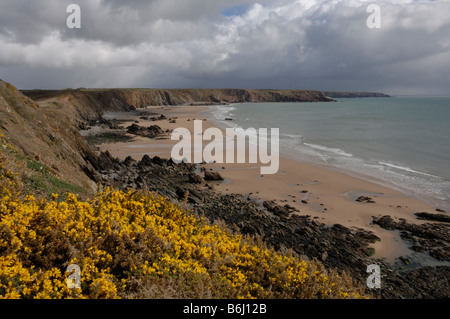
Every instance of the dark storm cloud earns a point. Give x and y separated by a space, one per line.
270 44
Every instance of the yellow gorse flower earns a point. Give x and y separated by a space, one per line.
123 240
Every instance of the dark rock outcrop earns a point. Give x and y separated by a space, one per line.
429 237
365 199
194 178
437 217
212 176
153 131
278 210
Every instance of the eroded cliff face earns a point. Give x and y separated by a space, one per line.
123 98
44 138
93 102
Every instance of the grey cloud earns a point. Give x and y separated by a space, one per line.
277 44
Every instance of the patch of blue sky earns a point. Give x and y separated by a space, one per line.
236 10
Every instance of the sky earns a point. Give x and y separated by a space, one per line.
278 44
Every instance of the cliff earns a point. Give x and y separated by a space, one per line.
91 101
42 141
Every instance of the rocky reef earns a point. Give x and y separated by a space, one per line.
281 227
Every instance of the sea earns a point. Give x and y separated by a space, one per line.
401 142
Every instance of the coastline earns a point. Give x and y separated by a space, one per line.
328 195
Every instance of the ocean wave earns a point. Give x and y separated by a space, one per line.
407 169
223 109
226 108
294 136
336 151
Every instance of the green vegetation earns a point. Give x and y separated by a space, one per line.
136 244
36 177
108 137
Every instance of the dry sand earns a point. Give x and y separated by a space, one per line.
329 194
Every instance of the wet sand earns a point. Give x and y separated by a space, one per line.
323 193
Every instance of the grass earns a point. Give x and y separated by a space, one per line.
36 177
44 181
108 137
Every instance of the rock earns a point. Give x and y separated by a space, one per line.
431 237
437 217
129 161
134 129
278 210
385 222
212 176
194 178
155 130
440 254
180 192
405 260
228 119
152 131
145 161
159 161
160 118
365 199
369 251
83 126
140 182
105 160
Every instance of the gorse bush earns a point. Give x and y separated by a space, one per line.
140 245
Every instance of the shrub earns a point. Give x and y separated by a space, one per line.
134 244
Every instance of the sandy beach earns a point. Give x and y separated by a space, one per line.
325 194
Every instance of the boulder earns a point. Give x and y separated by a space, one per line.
195 179
365 199
212 176
150 132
